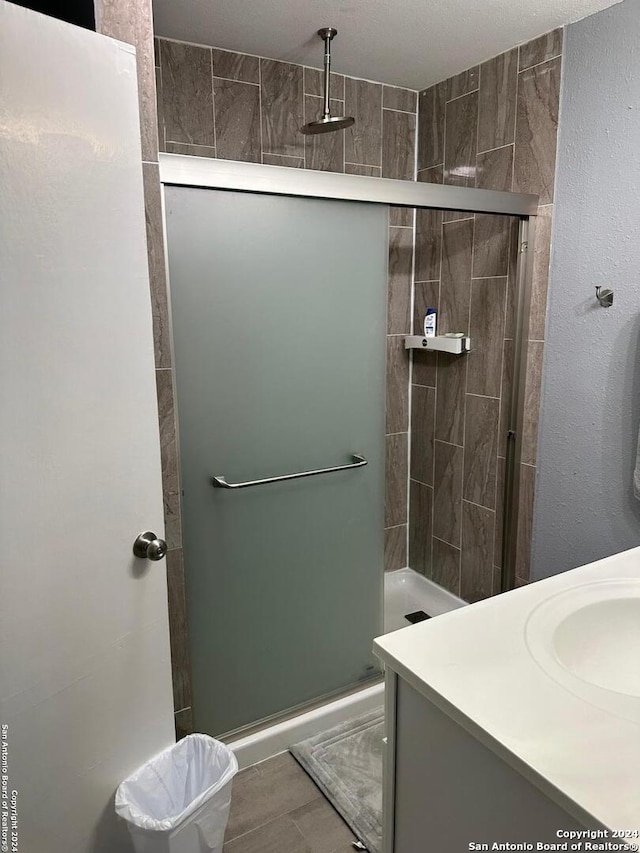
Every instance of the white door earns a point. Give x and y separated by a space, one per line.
85 677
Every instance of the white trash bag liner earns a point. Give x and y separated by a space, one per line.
179 801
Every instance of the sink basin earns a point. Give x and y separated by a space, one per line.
588 640
600 644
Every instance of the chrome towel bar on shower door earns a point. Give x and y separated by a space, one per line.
220 483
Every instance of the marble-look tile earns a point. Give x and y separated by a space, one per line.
133 23
395 98
324 151
451 380
455 289
428 244
536 130
491 245
395 548
445 568
398 145
183 721
159 112
178 630
322 827
360 169
278 836
237 115
488 298
447 492
499 531
236 66
532 389
463 83
527 494
397 405
476 576
423 412
399 286
431 110
172 520
266 791
505 394
494 169
395 503
512 284
480 450
401 217
497 101
461 121
363 140
426 295
431 175
283 160
540 49
453 215
282 107
420 523
166 416
187 93
190 150
314 83
540 277
156 261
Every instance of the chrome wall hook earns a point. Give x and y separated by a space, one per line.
604 297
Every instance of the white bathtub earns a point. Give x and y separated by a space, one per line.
405 591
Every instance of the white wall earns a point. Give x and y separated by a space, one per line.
585 507
85 676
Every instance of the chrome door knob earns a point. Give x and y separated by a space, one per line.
148 547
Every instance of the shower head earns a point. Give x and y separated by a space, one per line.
327 122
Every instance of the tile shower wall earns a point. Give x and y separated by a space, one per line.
216 103
494 127
132 23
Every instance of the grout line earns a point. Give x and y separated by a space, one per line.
395 110
366 166
427 281
450 443
488 277
213 103
420 483
395 526
537 64
233 80
420 385
484 396
446 542
480 506
497 148
457 97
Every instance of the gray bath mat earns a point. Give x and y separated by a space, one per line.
346 764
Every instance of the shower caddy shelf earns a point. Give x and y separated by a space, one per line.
439 343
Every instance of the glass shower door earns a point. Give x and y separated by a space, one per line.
279 315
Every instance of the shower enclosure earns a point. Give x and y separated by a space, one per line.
278 282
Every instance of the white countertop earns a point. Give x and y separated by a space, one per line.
475 664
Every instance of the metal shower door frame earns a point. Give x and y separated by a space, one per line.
209 173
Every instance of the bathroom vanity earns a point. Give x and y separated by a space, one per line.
517 719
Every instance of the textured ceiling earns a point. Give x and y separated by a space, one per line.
411 43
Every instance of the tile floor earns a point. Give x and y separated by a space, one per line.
276 808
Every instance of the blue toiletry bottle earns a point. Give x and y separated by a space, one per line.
430 323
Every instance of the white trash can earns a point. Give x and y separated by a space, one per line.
178 802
